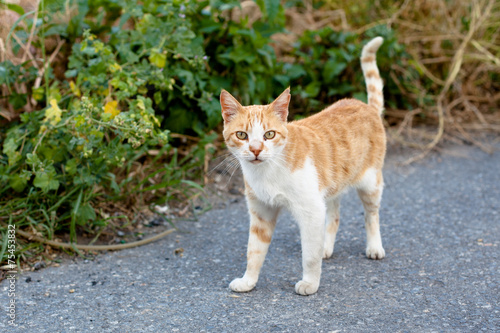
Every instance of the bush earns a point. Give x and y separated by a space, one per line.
120 76
65 160
327 67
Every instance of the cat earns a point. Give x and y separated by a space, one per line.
304 166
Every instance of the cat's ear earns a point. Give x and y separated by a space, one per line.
280 105
229 106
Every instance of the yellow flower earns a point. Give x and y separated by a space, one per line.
75 89
112 108
53 114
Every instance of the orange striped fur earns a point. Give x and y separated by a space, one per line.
304 166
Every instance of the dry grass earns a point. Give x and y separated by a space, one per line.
7 21
456 47
26 52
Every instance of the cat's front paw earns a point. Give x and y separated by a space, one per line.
375 252
305 288
241 285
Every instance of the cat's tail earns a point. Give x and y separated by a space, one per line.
374 83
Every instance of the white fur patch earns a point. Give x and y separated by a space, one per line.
368 182
274 183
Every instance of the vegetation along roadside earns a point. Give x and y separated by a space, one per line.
109 109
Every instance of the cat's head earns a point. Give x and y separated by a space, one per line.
255 133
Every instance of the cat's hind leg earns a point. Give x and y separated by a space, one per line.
332 225
370 192
262 223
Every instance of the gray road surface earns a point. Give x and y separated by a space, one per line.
440 227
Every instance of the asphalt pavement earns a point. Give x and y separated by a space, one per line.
440 224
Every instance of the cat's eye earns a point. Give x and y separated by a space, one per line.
241 135
269 135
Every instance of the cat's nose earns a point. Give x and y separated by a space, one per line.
256 147
255 151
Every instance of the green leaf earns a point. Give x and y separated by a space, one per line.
282 79
312 89
51 153
360 96
4 244
74 212
192 184
294 71
158 59
184 33
46 181
85 213
272 8
15 8
71 166
18 183
56 29
10 146
14 158
71 73
212 110
239 55
224 4
332 69
340 89
157 97
210 27
32 159
113 184
18 100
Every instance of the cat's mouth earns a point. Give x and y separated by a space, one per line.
256 161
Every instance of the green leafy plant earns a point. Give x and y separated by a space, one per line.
327 67
241 57
131 69
70 151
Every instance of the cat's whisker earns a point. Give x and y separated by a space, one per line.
227 169
231 158
223 155
230 177
230 166
218 170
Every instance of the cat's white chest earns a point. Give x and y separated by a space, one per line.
269 187
276 185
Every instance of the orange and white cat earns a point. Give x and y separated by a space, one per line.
304 166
